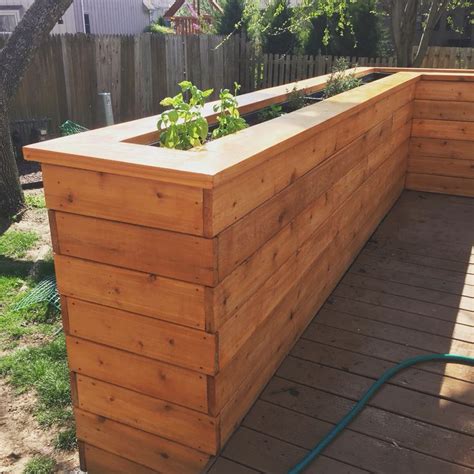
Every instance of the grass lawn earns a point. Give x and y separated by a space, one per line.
32 346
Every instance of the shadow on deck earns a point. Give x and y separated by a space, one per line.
410 291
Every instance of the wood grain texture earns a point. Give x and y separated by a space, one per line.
444 110
308 288
291 318
336 179
138 446
441 148
172 343
143 293
440 184
456 90
149 414
442 167
262 182
148 376
444 129
124 198
170 254
103 462
259 306
240 240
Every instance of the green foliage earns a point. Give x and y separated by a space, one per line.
66 440
15 244
160 29
269 113
278 37
40 465
183 126
232 19
340 80
362 37
229 119
35 201
45 369
296 100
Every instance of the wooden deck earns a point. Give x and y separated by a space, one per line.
409 292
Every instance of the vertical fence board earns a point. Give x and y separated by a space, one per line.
68 71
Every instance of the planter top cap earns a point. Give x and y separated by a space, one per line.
124 148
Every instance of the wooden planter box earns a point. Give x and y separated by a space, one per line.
187 276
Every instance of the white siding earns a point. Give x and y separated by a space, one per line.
69 23
113 16
106 16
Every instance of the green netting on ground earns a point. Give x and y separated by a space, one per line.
45 292
71 128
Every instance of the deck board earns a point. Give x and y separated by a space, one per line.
410 291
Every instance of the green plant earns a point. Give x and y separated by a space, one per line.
270 112
229 118
157 28
44 369
183 126
35 201
66 440
340 80
296 100
40 465
15 244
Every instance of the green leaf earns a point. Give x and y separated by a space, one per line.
166 101
185 85
207 92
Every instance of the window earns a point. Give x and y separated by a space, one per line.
87 24
8 20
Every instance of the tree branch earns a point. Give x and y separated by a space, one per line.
434 14
21 47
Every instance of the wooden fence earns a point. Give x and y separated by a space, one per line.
453 58
66 75
68 72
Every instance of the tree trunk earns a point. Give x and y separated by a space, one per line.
15 57
11 195
403 18
434 14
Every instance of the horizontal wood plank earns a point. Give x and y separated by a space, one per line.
172 343
144 293
148 376
293 314
459 91
103 462
138 446
236 198
124 198
440 184
149 414
243 322
444 110
441 148
442 167
242 239
170 254
445 129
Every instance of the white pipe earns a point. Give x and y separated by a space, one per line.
83 19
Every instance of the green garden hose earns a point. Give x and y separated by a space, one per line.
357 408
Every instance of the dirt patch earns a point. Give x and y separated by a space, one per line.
21 437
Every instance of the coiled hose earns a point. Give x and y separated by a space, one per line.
357 408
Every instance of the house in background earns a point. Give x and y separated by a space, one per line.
98 17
